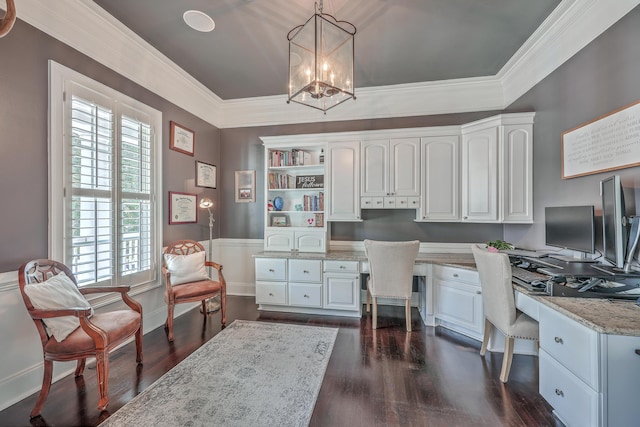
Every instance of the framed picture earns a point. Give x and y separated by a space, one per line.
183 208
205 175
319 220
279 221
182 139
245 186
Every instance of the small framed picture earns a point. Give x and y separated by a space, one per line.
182 139
279 221
319 220
245 186
205 175
182 208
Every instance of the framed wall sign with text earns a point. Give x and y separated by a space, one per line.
182 208
205 175
182 139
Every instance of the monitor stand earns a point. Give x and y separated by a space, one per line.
567 258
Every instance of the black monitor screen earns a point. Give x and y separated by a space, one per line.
570 227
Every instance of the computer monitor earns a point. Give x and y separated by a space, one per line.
570 227
614 232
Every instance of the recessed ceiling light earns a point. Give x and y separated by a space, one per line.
199 21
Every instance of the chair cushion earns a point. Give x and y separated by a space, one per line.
118 325
524 327
202 288
186 268
58 292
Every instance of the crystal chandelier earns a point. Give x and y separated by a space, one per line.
321 61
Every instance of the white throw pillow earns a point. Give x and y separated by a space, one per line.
56 293
186 268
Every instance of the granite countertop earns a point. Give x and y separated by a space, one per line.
616 317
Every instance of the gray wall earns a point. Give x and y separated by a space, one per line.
601 78
23 143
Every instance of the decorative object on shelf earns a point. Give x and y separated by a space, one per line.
182 139
270 206
498 245
319 220
213 304
311 222
310 181
205 175
280 221
298 207
321 61
182 208
278 203
245 186
6 23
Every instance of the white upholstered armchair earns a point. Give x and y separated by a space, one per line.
390 273
499 304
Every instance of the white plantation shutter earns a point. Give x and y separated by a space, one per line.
106 165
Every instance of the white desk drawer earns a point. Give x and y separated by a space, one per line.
574 402
527 305
336 266
271 293
271 269
305 270
305 294
458 274
573 345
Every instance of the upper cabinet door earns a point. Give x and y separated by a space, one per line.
517 166
375 168
404 175
440 181
480 175
343 181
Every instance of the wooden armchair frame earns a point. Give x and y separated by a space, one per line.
202 290
37 271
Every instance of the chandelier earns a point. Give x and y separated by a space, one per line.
321 61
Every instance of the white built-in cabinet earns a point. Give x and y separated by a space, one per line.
480 175
440 198
479 172
390 173
589 378
497 169
295 173
343 181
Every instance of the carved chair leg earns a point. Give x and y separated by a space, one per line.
223 308
170 321
374 315
139 345
80 367
506 362
408 314
46 386
102 369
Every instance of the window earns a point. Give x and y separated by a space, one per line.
103 167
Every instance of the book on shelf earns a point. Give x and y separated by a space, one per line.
294 157
281 180
314 203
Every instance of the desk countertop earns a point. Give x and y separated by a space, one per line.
620 317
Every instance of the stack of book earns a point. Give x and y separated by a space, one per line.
314 203
281 180
289 158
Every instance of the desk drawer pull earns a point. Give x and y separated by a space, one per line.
638 351
558 340
305 271
342 267
455 274
271 270
270 294
478 292
306 296
559 392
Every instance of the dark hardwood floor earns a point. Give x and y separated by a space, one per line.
383 377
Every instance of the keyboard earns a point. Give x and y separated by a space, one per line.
526 276
524 253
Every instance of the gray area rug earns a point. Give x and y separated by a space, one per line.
250 374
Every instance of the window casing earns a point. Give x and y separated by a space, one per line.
104 181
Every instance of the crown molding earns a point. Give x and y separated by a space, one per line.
85 26
88 28
569 28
